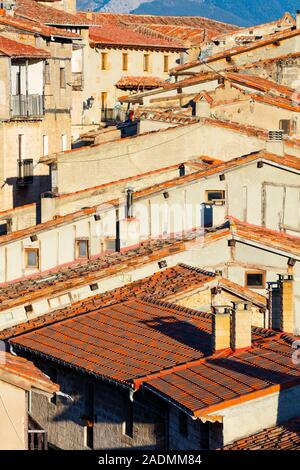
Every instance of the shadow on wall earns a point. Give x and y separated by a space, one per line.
259 369
29 193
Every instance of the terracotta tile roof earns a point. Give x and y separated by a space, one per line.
288 161
143 339
32 10
279 102
243 292
117 35
286 21
24 374
265 236
261 84
36 27
196 80
285 436
16 49
180 116
76 274
139 83
215 383
270 39
188 34
167 348
180 21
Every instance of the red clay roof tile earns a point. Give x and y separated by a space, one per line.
285 436
16 49
17 370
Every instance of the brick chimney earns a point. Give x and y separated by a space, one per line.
241 326
220 329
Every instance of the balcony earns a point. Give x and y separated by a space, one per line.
27 106
114 115
25 172
37 436
77 81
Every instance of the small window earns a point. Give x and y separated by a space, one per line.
285 126
62 77
104 100
166 63
125 61
104 61
82 248
31 257
146 62
183 423
255 279
47 73
215 195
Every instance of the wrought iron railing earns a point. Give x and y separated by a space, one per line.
37 436
27 105
114 114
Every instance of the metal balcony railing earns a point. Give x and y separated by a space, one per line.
113 114
25 172
27 105
37 436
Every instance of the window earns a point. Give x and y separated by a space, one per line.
104 60
146 62
214 195
183 423
125 61
45 145
103 100
62 77
128 421
285 126
63 142
31 257
82 248
255 279
166 63
47 73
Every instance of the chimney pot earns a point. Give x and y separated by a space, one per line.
220 329
241 326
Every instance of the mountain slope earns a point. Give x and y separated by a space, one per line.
240 12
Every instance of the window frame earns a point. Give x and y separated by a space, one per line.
104 61
125 57
77 248
146 62
62 78
260 272
166 63
215 191
35 250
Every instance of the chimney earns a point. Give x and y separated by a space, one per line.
298 19
286 288
220 329
241 326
